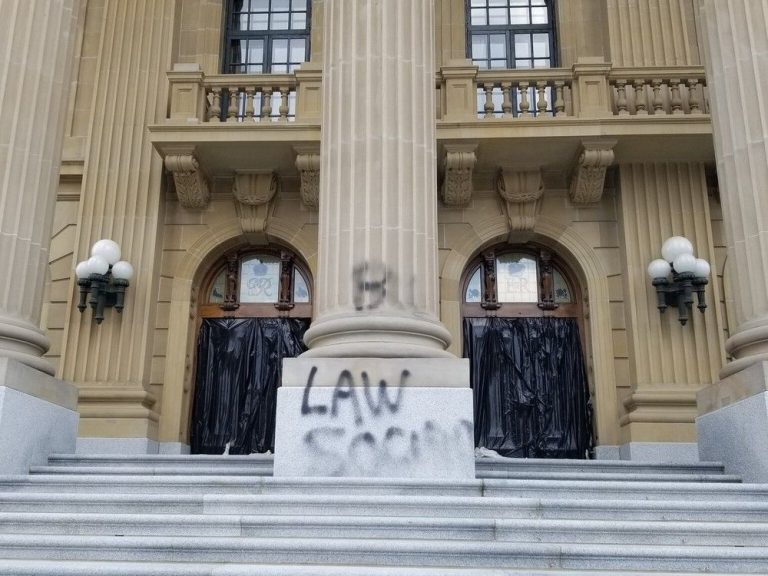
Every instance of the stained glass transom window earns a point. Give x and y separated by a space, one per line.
517 279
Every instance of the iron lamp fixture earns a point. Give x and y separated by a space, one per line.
103 279
677 275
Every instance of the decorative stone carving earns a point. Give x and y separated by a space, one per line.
589 175
457 178
522 191
255 187
254 192
308 165
191 183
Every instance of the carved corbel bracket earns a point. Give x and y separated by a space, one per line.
254 192
191 184
588 178
459 163
308 165
522 191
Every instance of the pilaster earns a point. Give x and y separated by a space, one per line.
669 362
121 200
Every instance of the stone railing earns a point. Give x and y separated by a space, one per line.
661 91
524 93
245 99
590 89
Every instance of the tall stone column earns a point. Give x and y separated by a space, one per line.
376 292
377 394
36 55
734 412
37 40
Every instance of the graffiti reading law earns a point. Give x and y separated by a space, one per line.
369 445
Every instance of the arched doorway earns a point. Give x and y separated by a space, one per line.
522 327
254 310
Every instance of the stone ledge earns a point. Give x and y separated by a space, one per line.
22 378
422 372
739 386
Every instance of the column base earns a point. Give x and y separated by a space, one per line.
38 417
379 336
25 343
374 417
733 423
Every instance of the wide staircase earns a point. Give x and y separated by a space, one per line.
227 516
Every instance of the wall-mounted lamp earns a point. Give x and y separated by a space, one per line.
105 277
689 275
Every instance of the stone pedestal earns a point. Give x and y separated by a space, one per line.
376 417
38 416
733 423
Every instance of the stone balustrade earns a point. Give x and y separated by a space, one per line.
464 94
245 98
250 98
524 93
667 91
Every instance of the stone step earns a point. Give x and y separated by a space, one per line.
387 506
216 470
266 461
624 490
340 552
377 527
70 568
607 466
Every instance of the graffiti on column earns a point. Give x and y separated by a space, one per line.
373 281
349 433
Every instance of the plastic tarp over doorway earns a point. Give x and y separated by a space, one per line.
239 364
530 387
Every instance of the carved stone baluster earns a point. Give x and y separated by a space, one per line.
266 104
676 99
234 101
641 105
506 104
525 106
658 101
249 95
489 106
541 103
214 111
621 98
559 99
284 91
693 96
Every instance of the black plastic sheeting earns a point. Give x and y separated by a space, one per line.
239 364
530 386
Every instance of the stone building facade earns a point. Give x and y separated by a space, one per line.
592 155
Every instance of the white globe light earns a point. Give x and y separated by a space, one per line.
685 263
82 270
659 269
702 268
122 270
107 249
98 265
674 247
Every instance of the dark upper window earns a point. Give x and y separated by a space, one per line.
266 36
511 33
